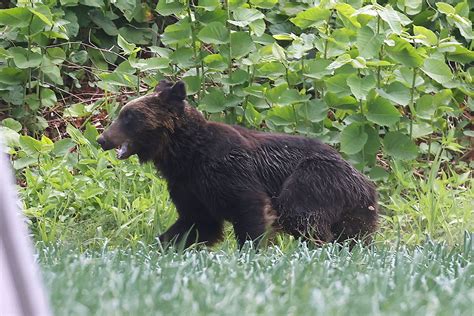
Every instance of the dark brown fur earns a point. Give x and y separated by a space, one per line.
255 180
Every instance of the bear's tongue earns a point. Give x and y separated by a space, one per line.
122 151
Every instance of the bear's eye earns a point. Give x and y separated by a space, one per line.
128 117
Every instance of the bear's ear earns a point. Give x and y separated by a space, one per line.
163 85
178 91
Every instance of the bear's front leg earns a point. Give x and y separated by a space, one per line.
190 232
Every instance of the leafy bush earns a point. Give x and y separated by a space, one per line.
364 76
388 83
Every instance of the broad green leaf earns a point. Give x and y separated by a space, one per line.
335 101
166 7
421 129
427 36
437 70
389 15
104 22
425 107
241 44
353 138
346 14
410 7
214 101
56 55
380 111
12 75
127 47
25 59
372 145
316 68
214 33
43 13
337 84
281 115
30 145
15 17
278 52
79 57
264 4
461 55
311 17
396 92
445 8
253 116
177 34
209 5
244 16
314 110
369 43
340 61
9 137
404 53
154 63
48 97
11 124
400 146
258 27
360 87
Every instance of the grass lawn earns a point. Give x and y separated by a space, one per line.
426 280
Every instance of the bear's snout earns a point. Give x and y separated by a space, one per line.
106 145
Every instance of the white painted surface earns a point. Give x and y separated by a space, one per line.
21 291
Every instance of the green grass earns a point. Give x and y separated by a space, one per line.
427 280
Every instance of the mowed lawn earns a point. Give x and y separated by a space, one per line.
431 279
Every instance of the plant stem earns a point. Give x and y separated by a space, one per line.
193 35
328 32
412 94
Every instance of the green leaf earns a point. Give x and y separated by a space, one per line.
264 4
389 15
166 7
425 107
127 47
12 124
337 84
340 61
400 146
177 34
253 116
258 27
56 55
445 8
209 5
15 17
30 145
25 59
382 112
346 14
104 22
214 33
437 70
396 92
410 7
48 97
43 13
314 110
278 52
427 36
316 69
281 115
353 138
214 101
404 53
360 87
369 43
9 137
241 44
244 16
311 17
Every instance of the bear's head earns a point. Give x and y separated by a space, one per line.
145 123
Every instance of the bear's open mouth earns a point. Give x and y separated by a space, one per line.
124 151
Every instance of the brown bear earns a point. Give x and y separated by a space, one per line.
255 180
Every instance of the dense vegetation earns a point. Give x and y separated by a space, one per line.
389 84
